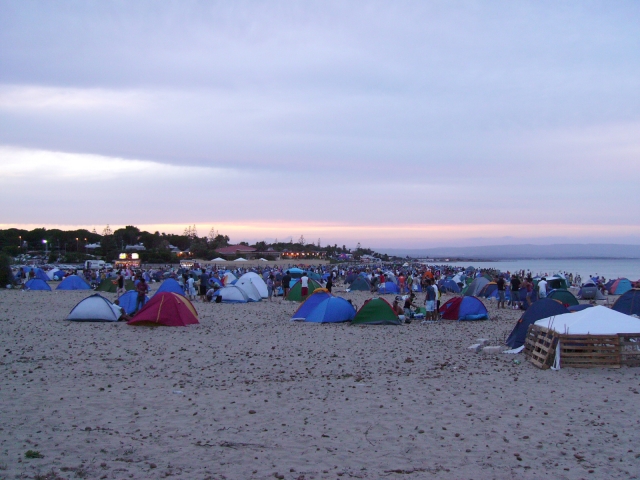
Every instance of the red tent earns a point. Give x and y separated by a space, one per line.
166 308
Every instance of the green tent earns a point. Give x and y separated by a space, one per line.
108 285
360 284
376 311
563 296
295 294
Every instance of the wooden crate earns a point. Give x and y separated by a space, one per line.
584 351
629 349
540 346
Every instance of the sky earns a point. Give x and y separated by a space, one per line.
392 124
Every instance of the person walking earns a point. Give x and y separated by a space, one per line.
500 282
120 290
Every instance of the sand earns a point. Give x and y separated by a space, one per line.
247 394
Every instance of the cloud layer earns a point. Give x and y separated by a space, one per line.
405 124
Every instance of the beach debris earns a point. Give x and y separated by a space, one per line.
476 347
493 349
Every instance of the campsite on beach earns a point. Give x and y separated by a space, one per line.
241 382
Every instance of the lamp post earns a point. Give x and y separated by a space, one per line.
20 242
45 247
76 244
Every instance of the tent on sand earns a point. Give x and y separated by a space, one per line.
168 309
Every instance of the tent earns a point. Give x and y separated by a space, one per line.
628 303
240 260
360 284
475 286
376 311
543 308
332 310
232 294
250 290
228 278
170 285
37 284
448 286
488 290
128 301
110 285
257 281
590 291
598 320
73 282
295 294
168 309
579 307
218 260
564 296
464 308
41 274
309 304
350 278
95 308
620 286
388 287
555 282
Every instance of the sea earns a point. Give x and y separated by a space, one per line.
604 267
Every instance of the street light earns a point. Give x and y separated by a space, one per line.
20 242
45 247
76 244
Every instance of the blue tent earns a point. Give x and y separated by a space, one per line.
41 274
350 278
543 308
128 301
360 284
388 287
215 282
58 275
332 310
37 284
620 286
73 282
449 286
309 305
170 285
628 303
464 308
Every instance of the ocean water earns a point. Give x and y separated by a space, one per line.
608 268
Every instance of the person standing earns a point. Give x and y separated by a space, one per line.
304 285
120 290
191 288
501 290
286 284
430 301
142 288
270 285
542 288
204 285
515 292
329 284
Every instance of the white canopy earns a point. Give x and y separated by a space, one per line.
597 320
218 260
240 260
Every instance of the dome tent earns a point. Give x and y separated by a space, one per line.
464 308
257 281
475 286
250 290
563 296
41 274
332 310
543 308
620 286
360 284
388 287
309 304
168 309
95 308
37 285
128 301
295 294
73 282
110 285
376 311
55 274
629 303
170 285
231 294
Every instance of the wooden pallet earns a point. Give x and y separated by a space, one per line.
540 346
585 351
629 349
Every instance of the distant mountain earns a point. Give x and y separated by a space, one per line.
503 252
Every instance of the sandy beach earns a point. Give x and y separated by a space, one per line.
247 394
